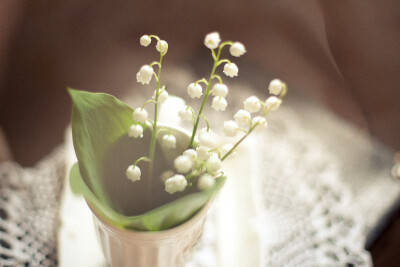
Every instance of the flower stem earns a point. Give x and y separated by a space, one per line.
216 58
154 134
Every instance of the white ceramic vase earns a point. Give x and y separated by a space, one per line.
168 248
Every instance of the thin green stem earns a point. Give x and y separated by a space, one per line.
147 102
154 133
240 141
206 94
141 159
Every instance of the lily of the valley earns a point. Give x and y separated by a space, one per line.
195 90
183 164
135 131
212 40
273 103
185 114
252 104
140 115
231 70
133 173
162 46
275 87
145 40
220 89
205 181
168 141
219 103
175 184
145 74
230 128
242 117
237 49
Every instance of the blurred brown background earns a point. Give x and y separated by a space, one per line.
344 53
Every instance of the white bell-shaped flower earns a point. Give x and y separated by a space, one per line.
191 154
133 173
220 89
203 152
275 87
226 148
145 40
237 49
219 103
212 40
273 103
242 117
195 90
262 123
162 46
207 138
230 128
205 182
183 164
185 114
213 163
175 184
163 96
135 131
231 70
140 115
252 104
145 74
168 141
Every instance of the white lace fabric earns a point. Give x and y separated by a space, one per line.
29 202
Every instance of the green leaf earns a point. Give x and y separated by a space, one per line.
99 126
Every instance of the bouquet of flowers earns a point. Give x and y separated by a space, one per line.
122 148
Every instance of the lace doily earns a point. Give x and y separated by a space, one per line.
304 220
29 202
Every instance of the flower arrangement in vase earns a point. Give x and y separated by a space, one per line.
141 177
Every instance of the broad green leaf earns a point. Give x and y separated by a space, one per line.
99 125
98 120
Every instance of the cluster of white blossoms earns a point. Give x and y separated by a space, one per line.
200 164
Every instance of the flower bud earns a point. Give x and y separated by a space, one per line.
237 49
230 128
195 90
273 103
252 104
176 183
133 173
207 138
203 152
191 154
262 123
168 141
212 40
205 181
140 115
162 46
219 103
145 74
275 87
163 96
220 89
145 40
185 114
183 164
242 117
135 131
231 70
213 163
